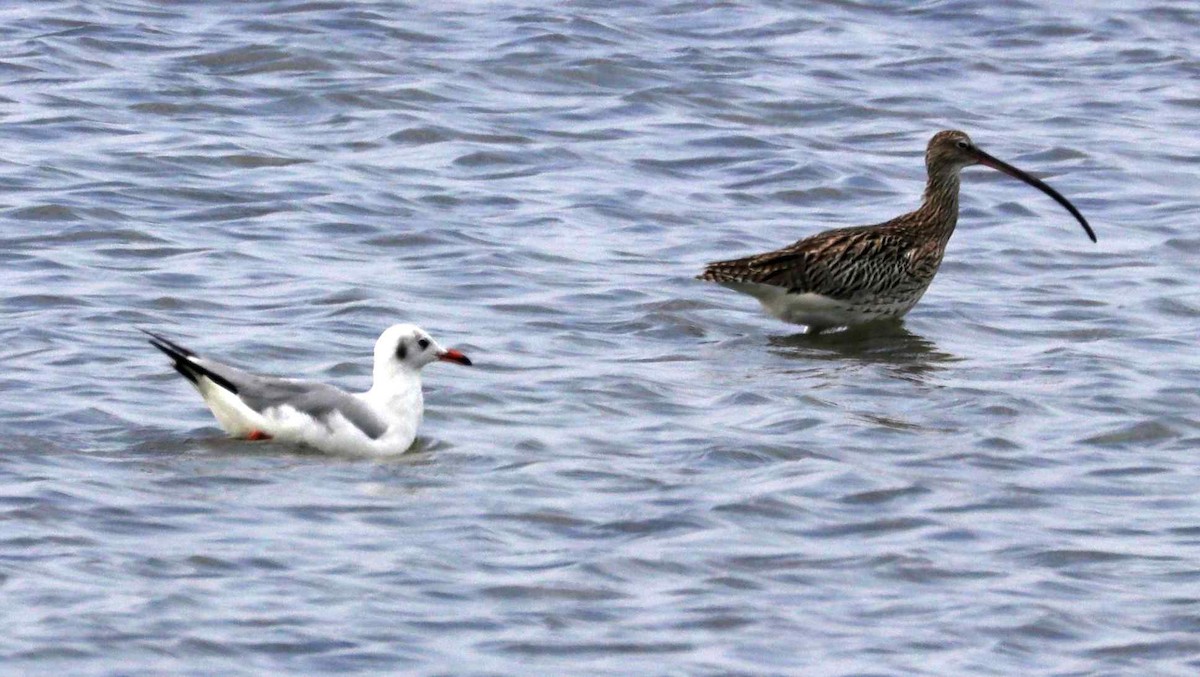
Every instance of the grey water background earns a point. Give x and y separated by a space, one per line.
643 474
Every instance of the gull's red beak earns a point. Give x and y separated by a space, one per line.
455 356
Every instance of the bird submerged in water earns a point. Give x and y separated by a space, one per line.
851 276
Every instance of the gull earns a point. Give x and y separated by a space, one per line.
382 421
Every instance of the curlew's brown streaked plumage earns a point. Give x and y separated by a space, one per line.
851 276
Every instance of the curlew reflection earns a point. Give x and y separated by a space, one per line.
887 343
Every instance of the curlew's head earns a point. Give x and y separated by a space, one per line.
951 150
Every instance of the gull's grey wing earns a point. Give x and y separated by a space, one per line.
318 400
261 393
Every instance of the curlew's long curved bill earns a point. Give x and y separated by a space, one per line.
989 161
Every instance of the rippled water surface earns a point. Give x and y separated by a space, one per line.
643 474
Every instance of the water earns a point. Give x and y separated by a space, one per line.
643 474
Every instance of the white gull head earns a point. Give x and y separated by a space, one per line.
406 349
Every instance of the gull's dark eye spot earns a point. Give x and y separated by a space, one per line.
424 343
962 143
401 351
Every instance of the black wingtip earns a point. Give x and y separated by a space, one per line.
178 354
185 366
159 341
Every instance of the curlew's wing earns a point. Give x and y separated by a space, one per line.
840 263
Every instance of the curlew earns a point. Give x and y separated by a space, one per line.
850 276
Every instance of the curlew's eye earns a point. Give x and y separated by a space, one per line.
401 351
962 143
424 343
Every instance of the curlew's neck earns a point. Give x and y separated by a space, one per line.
939 206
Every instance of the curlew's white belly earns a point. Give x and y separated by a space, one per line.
819 312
